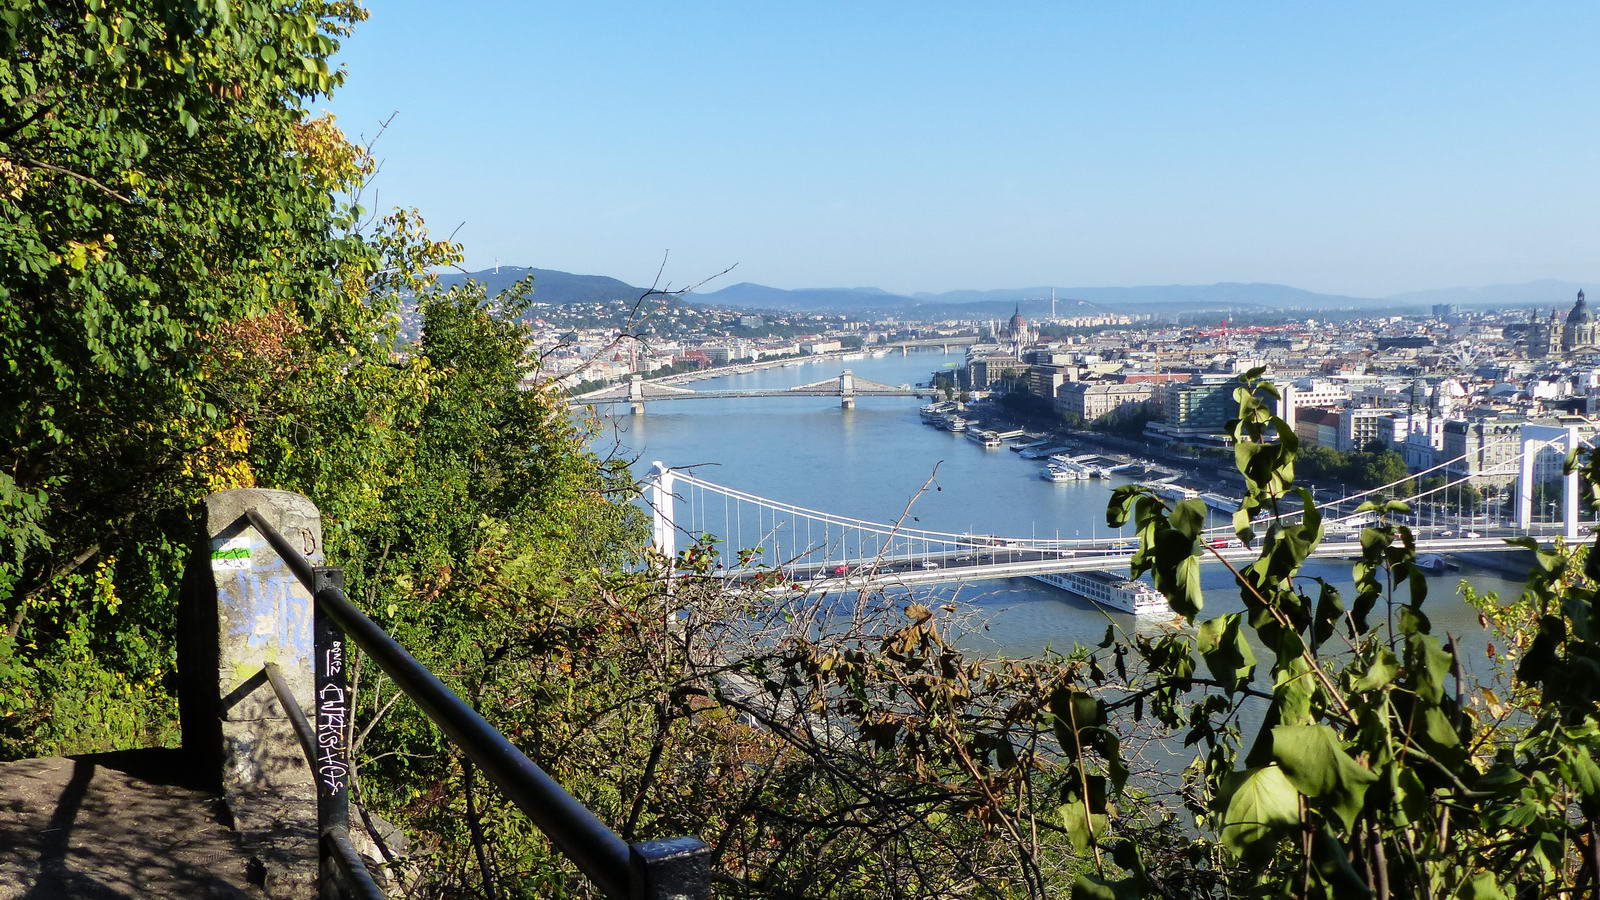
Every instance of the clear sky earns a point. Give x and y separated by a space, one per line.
1360 147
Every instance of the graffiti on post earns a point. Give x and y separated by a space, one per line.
333 762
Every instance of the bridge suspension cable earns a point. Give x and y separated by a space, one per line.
750 531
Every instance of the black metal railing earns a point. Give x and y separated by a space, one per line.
671 869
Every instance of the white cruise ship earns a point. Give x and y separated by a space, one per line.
1108 589
1169 491
1050 473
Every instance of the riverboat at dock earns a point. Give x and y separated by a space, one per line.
1109 589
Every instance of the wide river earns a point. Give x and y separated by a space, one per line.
870 461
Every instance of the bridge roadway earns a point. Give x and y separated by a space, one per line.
976 563
637 392
782 392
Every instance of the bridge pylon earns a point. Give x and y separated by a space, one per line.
658 493
847 390
1534 439
636 395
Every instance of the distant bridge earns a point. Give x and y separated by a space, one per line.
945 343
847 387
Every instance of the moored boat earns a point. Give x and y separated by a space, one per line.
1109 589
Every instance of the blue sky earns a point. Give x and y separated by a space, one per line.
1362 148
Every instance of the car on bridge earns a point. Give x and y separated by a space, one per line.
840 570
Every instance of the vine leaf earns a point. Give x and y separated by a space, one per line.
1081 823
1262 802
1385 666
1316 764
1226 652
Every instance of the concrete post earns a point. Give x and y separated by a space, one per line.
847 390
243 608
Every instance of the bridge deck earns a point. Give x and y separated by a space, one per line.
945 566
744 395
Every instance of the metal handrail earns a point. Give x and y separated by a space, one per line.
334 841
649 869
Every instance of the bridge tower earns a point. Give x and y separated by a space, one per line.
1534 439
847 390
658 493
636 395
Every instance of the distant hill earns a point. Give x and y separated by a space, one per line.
1166 296
553 286
748 294
549 285
1528 293
984 303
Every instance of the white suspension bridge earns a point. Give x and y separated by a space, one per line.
786 544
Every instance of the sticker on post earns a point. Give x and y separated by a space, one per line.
233 553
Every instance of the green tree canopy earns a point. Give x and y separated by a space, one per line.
168 212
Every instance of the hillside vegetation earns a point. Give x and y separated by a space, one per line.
192 299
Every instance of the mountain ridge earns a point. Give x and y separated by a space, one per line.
558 287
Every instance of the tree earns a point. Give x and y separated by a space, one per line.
1321 463
1379 469
1129 419
161 184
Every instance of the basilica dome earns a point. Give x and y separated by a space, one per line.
1580 314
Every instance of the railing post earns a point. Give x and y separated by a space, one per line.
671 869
332 725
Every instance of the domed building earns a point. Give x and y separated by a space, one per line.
1582 332
1017 334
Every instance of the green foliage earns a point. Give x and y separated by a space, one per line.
1371 774
186 306
1369 468
1129 419
160 181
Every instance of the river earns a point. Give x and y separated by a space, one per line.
870 461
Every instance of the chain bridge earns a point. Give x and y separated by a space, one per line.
847 387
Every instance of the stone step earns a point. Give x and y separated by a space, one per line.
131 824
